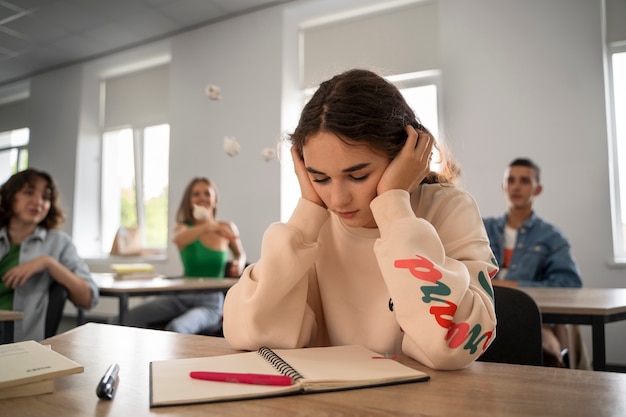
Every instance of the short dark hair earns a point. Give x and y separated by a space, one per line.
527 162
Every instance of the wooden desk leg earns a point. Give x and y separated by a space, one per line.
123 308
598 344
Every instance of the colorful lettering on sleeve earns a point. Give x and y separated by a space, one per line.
459 334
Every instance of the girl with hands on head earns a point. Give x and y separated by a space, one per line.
380 250
34 253
205 244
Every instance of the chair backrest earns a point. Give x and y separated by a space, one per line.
518 332
57 294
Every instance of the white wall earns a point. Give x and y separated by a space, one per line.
242 56
520 78
525 78
55 103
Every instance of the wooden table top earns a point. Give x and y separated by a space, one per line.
11 315
592 301
482 389
109 285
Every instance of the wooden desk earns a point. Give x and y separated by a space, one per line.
123 290
482 390
592 306
7 317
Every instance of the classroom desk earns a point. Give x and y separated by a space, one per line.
123 290
483 389
7 317
592 306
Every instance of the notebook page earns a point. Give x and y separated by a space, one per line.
345 366
171 383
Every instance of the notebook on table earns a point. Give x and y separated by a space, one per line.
311 369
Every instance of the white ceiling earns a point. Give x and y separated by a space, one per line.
41 35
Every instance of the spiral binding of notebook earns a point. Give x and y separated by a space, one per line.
278 363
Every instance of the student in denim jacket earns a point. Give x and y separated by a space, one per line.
532 252
34 253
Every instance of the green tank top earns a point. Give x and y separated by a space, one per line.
200 261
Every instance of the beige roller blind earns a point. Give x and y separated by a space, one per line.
14 115
137 99
395 42
615 27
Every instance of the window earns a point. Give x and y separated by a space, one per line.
135 178
13 152
617 129
420 91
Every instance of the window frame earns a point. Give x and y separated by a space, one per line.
107 236
21 150
617 170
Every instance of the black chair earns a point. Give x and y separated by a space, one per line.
518 332
57 295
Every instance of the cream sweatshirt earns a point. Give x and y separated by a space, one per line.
420 283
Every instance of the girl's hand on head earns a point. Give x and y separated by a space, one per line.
411 165
306 187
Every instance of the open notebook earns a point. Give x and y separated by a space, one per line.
313 370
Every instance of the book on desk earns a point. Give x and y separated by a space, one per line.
134 271
29 368
312 370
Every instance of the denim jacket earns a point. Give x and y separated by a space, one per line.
542 255
32 297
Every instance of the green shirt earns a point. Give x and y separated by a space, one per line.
10 260
200 261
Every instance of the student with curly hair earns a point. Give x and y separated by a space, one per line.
34 253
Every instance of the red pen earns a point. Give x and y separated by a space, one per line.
255 379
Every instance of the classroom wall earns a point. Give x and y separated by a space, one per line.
242 56
525 78
519 78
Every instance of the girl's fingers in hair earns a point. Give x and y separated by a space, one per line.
412 138
424 145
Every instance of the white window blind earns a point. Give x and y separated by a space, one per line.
14 115
404 40
137 99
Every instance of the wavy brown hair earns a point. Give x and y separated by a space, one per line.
361 107
55 217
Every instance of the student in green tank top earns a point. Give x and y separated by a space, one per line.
205 244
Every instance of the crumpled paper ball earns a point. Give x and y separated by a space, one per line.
268 154
200 212
231 146
213 92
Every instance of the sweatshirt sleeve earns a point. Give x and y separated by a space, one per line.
271 303
438 273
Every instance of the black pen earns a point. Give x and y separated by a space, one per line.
107 385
